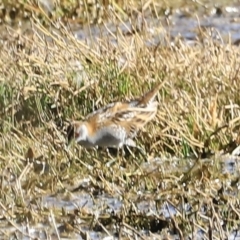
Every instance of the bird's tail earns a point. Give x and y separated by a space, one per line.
148 97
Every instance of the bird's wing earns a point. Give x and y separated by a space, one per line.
148 98
107 112
105 116
145 101
134 118
130 116
129 119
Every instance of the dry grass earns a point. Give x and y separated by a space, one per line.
48 78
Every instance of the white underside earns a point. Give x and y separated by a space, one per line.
107 141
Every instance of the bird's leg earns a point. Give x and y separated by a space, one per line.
122 151
130 143
142 151
112 160
129 150
139 150
108 153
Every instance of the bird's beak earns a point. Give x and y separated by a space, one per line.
70 134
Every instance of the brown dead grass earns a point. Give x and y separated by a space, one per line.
48 78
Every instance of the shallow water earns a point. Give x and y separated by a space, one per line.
222 25
229 164
107 204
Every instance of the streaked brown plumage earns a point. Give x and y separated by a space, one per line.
115 124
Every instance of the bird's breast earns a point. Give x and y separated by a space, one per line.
108 136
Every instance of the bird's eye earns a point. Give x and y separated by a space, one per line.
76 134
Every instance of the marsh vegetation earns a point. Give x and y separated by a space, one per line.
185 185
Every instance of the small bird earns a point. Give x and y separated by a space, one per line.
116 124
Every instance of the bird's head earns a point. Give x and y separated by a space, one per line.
77 131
